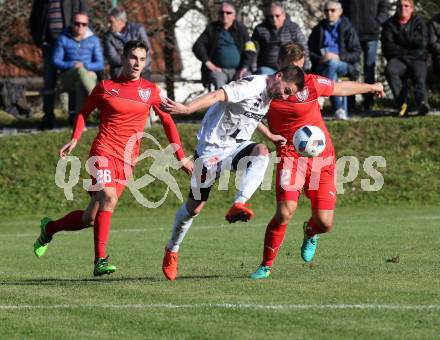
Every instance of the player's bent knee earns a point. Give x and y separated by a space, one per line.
283 216
194 207
325 225
109 201
260 150
196 211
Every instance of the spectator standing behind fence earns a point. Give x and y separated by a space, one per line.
119 33
404 44
224 48
434 42
48 19
335 51
276 30
78 55
367 18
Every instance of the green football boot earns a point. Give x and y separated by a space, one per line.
42 242
308 247
103 267
262 272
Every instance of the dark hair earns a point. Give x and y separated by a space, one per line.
293 74
79 13
133 44
290 52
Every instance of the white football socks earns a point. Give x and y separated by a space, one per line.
182 223
252 178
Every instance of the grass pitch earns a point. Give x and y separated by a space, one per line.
375 277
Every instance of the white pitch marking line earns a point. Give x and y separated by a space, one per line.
229 306
147 229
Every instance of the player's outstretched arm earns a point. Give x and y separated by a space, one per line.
174 138
276 139
349 88
67 148
187 165
197 104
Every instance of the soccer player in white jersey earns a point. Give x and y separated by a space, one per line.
235 112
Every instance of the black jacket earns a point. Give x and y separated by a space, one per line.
407 42
349 46
269 40
367 17
206 44
114 47
38 19
434 35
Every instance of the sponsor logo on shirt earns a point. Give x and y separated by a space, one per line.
255 116
249 78
144 94
303 95
116 91
324 81
212 161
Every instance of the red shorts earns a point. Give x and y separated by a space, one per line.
315 175
108 171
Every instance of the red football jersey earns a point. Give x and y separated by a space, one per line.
286 116
125 106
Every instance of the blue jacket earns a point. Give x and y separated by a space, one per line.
88 51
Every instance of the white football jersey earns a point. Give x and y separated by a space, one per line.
232 122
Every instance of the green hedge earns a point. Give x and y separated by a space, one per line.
411 148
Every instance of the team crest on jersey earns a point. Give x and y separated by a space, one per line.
303 95
144 94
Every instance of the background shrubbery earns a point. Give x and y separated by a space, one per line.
411 148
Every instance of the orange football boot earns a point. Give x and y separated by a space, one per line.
239 212
169 265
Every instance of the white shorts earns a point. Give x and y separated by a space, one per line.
209 164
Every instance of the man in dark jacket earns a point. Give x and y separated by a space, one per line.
120 32
276 30
404 44
335 51
367 18
224 48
48 19
434 42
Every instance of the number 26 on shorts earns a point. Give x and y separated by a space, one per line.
103 176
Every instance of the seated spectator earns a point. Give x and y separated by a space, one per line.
119 33
434 42
367 18
335 51
404 44
224 48
48 19
78 55
276 30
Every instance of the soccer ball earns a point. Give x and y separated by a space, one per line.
309 141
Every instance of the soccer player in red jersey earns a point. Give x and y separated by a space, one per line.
316 176
224 143
125 104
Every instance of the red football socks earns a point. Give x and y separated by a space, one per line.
72 221
101 232
312 228
272 241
